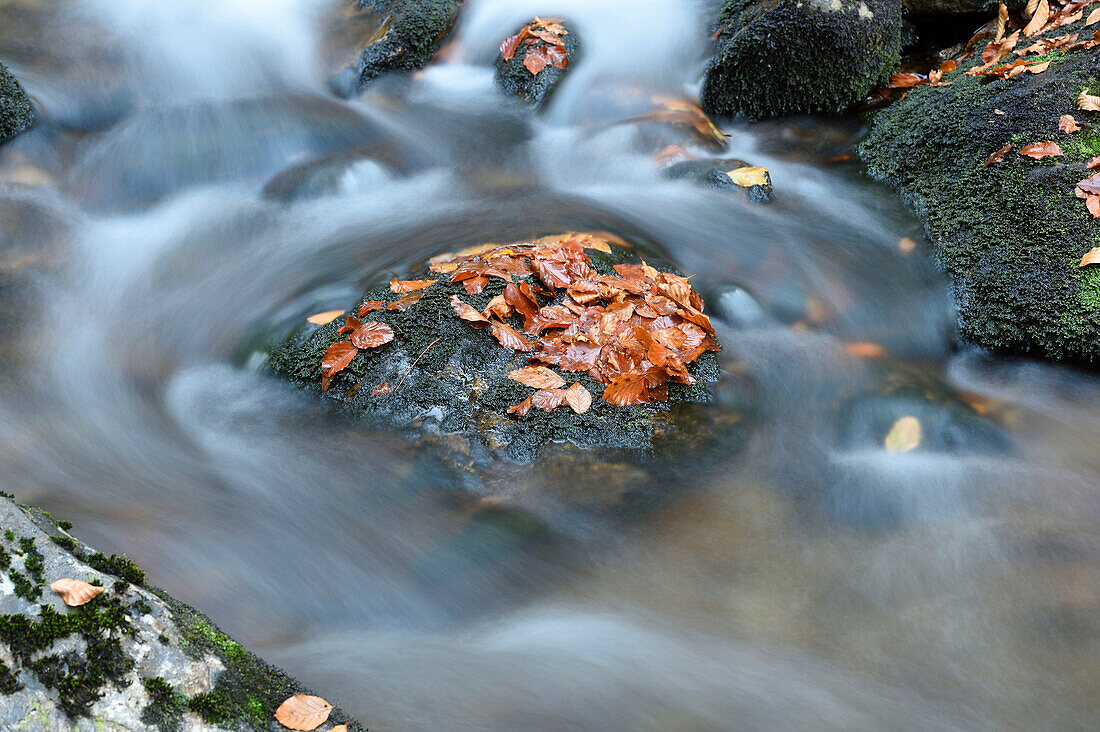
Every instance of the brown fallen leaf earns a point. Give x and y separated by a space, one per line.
469 313
350 326
1002 19
578 398
383 388
1038 20
75 592
905 80
1088 102
372 334
626 389
509 337
864 349
303 712
1068 124
1039 150
749 176
539 57
1090 184
906 245
999 156
409 285
326 317
335 360
537 377
406 301
904 435
1094 17
369 307
1091 257
1037 68
1093 203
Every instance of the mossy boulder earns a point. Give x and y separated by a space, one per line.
515 80
408 36
16 112
131 658
1009 234
446 384
781 57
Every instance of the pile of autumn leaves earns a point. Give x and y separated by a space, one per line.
544 43
632 331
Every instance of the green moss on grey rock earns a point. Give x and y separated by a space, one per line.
131 658
534 89
409 35
16 112
1011 234
780 57
449 379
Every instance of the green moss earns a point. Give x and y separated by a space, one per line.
5 558
1083 144
9 534
9 682
119 566
24 588
166 705
65 542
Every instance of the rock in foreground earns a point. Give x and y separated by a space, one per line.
799 56
1010 233
129 658
16 113
625 350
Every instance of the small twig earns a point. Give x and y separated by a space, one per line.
414 363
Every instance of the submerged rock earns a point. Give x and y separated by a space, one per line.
794 56
1010 234
16 112
719 174
513 75
408 36
446 378
130 658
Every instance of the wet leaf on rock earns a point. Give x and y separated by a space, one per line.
372 334
1068 124
469 313
1039 150
303 712
75 593
537 377
406 301
326 317
1038 20
509 337
335 360
999 156
1088 102
749 176
578 398
409 285
369 307
1091 257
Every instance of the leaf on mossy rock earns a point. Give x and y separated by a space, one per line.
75 593
509 337
369 307
999 156
1039 150
537 377
1038 20
326 317
372 334
1088 102
749 176
303 712
1092 257
409 285
1068 124
578 398
335 360
469 313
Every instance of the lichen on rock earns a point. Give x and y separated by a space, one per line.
16 111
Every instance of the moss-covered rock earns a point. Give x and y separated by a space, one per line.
16 112
131 658
779 57
448 385
517 81
409 33
1010 234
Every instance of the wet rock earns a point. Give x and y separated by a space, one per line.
715 174
442 381
956 7
1010 234
516 80
131 658
16 112
408 36
795 56
162 151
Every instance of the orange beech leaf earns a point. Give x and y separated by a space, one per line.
335 360
1037 68
1068 124
75 593
406 301
369 307
578 398
509 337
326 317
350 326
539 57
548 36
1038 20
905 80
864 350
522 408
469 313
1002 19
511 43
1094 17
383 388
1088 102
1038 150
1090 184
1091 257
537 377
999 156
626 389
372 334
499 307
1094 163
1093 203
409 285
303 712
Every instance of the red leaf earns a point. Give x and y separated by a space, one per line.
511 43
383 388
335 360
906 80
1090 184
372 335
406 301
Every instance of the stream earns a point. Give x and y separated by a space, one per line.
810 579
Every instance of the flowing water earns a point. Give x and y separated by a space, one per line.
808 580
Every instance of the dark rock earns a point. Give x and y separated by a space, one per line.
410 32
779 57
1010 234
516 81
131 658
957 7
713 174
16 112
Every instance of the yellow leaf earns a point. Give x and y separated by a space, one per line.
326 317
904 435
1092 257
75 592
746 177
303 712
